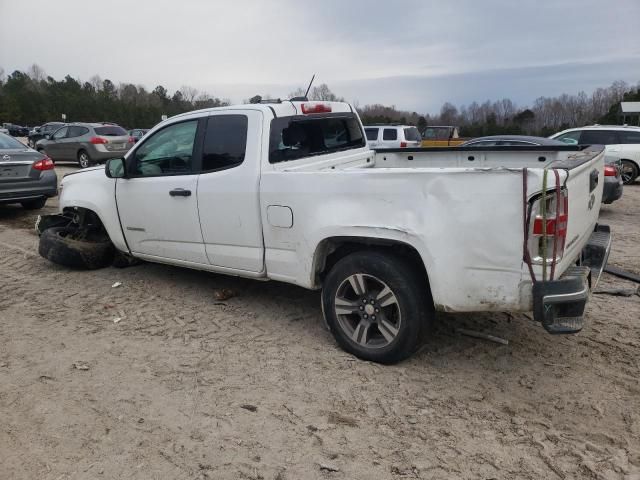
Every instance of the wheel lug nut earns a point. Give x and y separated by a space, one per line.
372 302
377 310
361 307
365 315
373 317
364 300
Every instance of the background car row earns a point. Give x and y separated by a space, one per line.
86 143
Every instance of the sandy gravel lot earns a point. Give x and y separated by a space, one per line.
253 387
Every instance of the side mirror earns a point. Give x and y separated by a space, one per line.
115 168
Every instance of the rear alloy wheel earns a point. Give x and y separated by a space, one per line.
83 159
629 172
375 305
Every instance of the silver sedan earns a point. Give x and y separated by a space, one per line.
27 177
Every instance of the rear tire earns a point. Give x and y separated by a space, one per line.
377 306
83 159
57 246
34 204
629 172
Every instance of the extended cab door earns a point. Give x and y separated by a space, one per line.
228 190
157 203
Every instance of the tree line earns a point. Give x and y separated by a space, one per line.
32 98
546 116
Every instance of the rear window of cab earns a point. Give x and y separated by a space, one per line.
297 137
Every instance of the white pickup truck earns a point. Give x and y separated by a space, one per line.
290 191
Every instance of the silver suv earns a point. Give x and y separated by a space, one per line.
621 143
393 136
86 143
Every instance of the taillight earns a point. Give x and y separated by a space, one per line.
403 144
132 140
610 171
98 140
543 234
44 164
316 108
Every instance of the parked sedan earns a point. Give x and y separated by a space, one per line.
86 143
17 130
612 170
26 176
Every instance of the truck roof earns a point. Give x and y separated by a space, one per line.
285 108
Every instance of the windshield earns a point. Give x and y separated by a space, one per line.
437 133
298 137
412 134
10 143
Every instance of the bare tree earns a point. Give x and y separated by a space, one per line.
189 93
96 81
322 92
36 73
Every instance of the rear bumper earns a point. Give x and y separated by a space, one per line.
99 153
560 304
612 189
24 190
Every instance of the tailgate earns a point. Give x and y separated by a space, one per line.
584 184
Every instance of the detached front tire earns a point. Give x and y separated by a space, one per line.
58 245
377 306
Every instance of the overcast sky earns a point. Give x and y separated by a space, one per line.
412 54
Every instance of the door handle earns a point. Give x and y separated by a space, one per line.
180 192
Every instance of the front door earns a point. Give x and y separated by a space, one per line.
158 202
54 146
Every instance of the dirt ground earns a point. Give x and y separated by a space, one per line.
185 386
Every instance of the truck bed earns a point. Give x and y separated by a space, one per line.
464 217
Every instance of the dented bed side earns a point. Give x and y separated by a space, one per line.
465 222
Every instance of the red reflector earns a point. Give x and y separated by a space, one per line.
316 108
98 141
44 164
403 144
561 224
610 171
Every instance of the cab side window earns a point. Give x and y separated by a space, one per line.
225 142
168 152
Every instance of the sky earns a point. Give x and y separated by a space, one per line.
415 55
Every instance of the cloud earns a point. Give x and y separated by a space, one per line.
432 51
